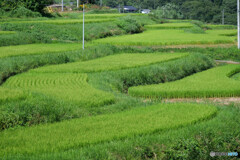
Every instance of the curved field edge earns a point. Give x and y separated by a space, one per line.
48 109
112 62
191 140
170 37
69 87
79 132
34 49
214 82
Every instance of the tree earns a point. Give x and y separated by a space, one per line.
34 5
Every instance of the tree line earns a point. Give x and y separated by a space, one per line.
204 10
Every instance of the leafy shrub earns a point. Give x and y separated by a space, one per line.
130 25
170 11
24 12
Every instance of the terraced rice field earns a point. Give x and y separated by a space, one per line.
79 132
215 82
170 37
68 87
32 49
113 62
212 26
169 26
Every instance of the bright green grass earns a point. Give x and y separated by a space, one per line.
170 37
112 62
31 49
68 87
7 32
71 134
169 26
211 83
11 94
65 21
212 26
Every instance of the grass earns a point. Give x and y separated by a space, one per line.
7 94
32 49
7 32
63 21
68 87
170 37
79 132
211 83
214 27
169 26
113 62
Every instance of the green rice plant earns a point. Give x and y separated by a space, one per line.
7 94
190 142
170 37
113 62
31 49
215 27
7 32
211 83
79 132
68 87
169 26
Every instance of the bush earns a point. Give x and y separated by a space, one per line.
130 25
170 11
24 12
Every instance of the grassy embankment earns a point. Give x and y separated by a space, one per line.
215 82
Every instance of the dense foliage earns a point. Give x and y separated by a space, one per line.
34 5
204 10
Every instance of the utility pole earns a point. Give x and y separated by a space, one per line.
62 6
101 3
238 19
83 27
119 9
223 17
77 4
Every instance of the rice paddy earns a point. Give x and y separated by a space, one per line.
113 62
170 37
214 27
79 132
67 87
215 82
105 102
32 49
169 26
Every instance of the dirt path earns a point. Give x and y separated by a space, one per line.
226 61
197 46
225 101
